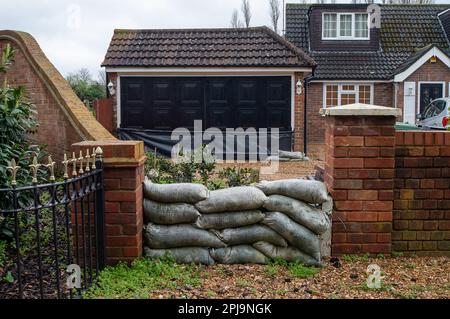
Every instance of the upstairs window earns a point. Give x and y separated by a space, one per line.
345 26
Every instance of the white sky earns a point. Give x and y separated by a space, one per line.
73 41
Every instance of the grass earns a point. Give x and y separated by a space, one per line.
356 258
296 269
142 277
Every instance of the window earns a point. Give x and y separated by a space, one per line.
342 94
345 26
332 98
330 26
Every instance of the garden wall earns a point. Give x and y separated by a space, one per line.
390 189
287 219
63 118
422 193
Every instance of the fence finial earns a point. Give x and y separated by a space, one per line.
66 164
74 162
94 167
51 168
88 158
99 152
81 160
34 169
14 168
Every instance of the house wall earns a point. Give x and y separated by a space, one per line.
429 72
383 95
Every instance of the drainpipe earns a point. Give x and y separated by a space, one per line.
305 113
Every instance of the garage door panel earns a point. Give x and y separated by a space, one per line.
223 102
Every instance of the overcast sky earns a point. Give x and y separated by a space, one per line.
76 33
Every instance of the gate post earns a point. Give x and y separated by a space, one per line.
359 172
123 175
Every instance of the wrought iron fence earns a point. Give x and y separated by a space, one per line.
56 228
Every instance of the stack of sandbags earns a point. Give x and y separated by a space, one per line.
284 156
236 225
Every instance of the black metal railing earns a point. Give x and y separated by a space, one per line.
54 231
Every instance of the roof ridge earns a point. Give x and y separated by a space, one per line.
256 28
296 50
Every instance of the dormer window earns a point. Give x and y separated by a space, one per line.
345 26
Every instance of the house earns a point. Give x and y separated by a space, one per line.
227 78
393 55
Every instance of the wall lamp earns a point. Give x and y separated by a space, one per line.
111 89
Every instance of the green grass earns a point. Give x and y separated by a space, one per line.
397 254
142 277
2 253
296 269
356 258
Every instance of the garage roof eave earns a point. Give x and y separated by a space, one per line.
283 69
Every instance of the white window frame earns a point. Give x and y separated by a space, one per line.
338 26
342 91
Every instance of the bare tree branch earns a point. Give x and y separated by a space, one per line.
235 21
275 13
246 12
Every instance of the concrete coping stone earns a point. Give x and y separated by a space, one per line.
360 110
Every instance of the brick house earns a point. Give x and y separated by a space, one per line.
398 58
228 78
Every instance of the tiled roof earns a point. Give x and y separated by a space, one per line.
249 47
404 30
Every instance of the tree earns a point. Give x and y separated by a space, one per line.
275 13
246 12
86 88
235 21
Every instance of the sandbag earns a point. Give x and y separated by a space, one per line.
175 193
164 237
312 192
292 155
232 199
169 214
302 213
229 220
189 255
289 254
250 235
297 235
241 254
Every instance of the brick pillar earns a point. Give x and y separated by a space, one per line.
123 177
359 172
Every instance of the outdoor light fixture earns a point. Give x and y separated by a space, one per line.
433 59
111 89
299 86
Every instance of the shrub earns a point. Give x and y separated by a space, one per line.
236 176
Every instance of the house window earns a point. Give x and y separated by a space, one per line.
342 94
345 26
332 98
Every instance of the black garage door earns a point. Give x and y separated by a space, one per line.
167 103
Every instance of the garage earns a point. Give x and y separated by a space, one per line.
161 80
167 103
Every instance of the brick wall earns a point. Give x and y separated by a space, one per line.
123 178
422 193
58 108
359 172
383 95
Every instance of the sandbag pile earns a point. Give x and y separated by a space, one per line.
284 156
287 219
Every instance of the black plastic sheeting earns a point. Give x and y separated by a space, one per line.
162 142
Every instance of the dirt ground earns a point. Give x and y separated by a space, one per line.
345 278
285 170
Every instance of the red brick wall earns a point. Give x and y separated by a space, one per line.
383 95
63 118
422 193
359 172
